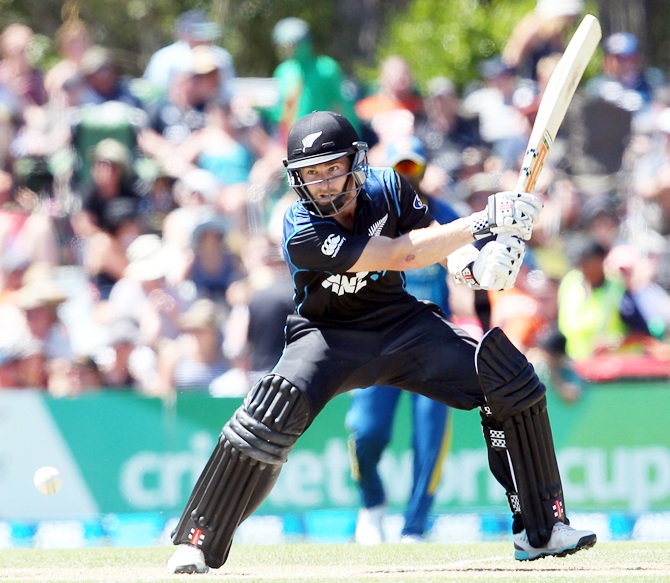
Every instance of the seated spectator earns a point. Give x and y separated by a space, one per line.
196 359
174 117
219 149
102 80
72 40
110 203
213 265
75 377
625 78
144 295
196 196
118 359
596 313
39 299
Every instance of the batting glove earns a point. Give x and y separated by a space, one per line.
496 267
507 213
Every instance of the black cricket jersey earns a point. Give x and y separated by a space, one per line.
320 253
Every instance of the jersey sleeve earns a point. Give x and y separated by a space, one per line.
322 246
414 214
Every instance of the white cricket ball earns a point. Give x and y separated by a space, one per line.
47 480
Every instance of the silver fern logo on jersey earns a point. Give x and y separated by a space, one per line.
331 246
308 141
376 228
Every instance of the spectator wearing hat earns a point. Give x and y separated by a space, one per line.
102 80
192 29
40 299
196 359
110 215
625 79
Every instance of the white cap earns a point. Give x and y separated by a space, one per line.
556 8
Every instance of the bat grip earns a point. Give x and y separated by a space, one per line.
487 277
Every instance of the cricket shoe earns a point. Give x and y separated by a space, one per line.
564 540
187 559
369 525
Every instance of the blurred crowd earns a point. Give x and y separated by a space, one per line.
141 218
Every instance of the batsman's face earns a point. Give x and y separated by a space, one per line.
327 182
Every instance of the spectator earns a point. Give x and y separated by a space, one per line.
144 295
625 80
16 70
307 81
218 148
175 116
72 41
102 81
371 414
213 266
397 91
110 216
196 195
75 377
596 313
541 33
260 304
117 359
446 132
501 124
196 359
40 299
22 90
192 29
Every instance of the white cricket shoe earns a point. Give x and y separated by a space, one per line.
564 540
187 559
369 525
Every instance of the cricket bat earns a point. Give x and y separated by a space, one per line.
555 102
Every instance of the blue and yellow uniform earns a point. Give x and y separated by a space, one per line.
370 417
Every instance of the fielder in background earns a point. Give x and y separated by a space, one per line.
370 416
348 240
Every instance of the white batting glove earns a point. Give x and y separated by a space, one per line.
507 213
496 267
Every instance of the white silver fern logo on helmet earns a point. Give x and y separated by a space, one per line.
308 141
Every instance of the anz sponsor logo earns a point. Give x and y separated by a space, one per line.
331 246
341 284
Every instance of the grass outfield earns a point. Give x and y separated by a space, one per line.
345 563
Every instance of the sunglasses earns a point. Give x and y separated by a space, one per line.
409 168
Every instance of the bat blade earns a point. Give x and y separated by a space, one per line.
553 107
556 99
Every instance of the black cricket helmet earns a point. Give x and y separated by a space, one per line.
324 136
